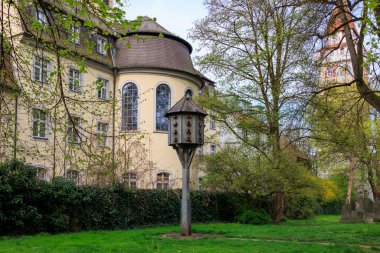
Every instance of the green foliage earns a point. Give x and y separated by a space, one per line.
238 169
29 205
301 207
258 217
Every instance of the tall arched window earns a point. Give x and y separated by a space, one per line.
162 106
129 107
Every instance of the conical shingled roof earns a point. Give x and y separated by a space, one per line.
186 105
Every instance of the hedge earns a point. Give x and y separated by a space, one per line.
29 205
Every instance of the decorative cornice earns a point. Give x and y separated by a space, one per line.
162 71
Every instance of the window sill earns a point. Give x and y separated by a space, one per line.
104 99
130 131
160 132
75 91
73 143
44 139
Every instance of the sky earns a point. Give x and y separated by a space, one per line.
177 16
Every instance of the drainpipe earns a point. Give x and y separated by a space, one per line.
15 129
115 73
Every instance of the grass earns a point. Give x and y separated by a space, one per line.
321 234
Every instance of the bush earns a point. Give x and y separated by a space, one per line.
258 217
29 205
299 207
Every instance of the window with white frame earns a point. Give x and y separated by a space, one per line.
39 123
41 17
73 130
212 148
75 33
40 69
74 80
163 180
101 134
73 175
101 45
212 123
130 180
103 88
41 173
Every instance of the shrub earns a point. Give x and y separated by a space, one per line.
299 207
257 217
29 205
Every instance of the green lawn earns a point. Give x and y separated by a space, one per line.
321 234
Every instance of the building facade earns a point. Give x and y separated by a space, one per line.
103 123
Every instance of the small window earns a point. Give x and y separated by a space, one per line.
212 123
163 180
130 180
101 45
41 17
40 69
340 71
41 173
103 87
212 149
330 73
342 51
73 175
200 181
101 134
40 123
73 130
189 92
75 34
74 80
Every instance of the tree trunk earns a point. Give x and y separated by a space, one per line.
350 183
372 183
279 207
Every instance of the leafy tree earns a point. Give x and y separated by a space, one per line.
240 169
260 52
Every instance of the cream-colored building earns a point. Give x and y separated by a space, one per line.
105 123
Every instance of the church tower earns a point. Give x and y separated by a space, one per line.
333 57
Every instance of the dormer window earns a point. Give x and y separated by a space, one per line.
41 17
101 45
75 31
